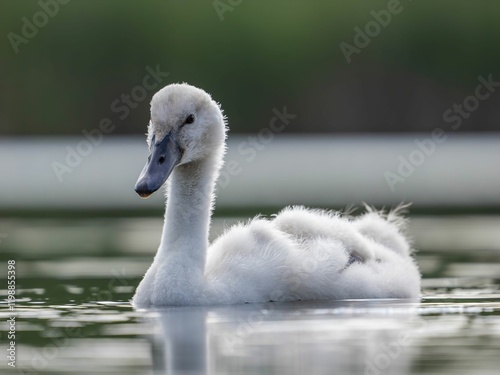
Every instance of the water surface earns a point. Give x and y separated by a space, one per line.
73 316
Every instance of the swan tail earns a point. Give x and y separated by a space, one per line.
388 228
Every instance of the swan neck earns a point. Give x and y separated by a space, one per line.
190 196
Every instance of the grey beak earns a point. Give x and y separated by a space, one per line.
165 155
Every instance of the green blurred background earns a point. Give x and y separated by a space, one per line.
252 56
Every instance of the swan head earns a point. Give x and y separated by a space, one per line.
186 126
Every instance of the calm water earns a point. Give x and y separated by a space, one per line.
75 278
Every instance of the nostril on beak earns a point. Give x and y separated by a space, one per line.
161 160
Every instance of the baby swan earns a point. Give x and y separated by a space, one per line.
301 254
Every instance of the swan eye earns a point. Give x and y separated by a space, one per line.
189 119
161 160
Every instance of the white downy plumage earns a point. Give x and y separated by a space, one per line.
300 254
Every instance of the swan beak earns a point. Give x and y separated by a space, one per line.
165 155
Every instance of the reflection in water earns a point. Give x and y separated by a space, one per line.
180 345
291 338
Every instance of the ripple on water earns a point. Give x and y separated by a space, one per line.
450 323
